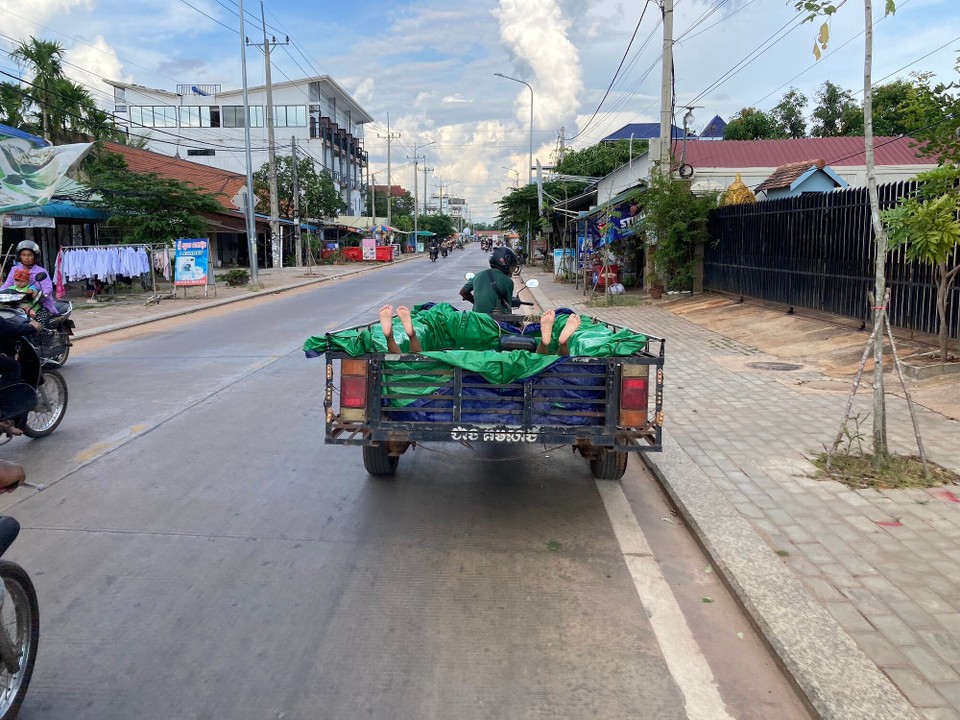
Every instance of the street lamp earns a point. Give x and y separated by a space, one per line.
530 164
524 82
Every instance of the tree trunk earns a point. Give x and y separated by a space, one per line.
880 289
943 285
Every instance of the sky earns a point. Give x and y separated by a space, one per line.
429 66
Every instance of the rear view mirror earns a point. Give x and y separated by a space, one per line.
470 276
41 276
532 283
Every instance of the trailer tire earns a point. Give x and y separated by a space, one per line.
377 461
609 464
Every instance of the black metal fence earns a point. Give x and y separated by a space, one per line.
817 251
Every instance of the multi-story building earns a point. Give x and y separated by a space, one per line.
205 124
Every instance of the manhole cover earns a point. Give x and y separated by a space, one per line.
779 366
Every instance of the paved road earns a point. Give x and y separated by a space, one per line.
200 553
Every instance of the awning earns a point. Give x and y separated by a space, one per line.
56 209
618 199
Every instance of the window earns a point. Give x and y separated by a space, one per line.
153 115
232 116
289 116
203 153
199 116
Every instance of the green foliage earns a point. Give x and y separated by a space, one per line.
442 225
836 112
752 124
600 159
318 195
678 219
788 114
145 208
235 277
933 112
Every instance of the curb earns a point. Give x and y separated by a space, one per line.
123 325
833 675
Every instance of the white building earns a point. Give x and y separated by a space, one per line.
205 124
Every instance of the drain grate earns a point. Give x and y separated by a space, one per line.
777 366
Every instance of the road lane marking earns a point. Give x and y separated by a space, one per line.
684 659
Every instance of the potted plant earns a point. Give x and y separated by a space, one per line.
656 285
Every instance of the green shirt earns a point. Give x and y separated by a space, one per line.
492 292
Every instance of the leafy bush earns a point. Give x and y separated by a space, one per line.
236 277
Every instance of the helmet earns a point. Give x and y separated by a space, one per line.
504 260
28 245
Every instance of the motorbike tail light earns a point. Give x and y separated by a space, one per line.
353 384
634 395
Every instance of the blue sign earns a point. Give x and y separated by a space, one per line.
191 261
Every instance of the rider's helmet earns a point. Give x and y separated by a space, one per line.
28 245
504 260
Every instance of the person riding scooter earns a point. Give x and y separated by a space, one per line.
491 291
434 250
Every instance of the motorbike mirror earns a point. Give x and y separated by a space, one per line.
532 283
470 276
41 276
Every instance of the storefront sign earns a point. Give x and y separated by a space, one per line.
28 221
191 262
369 246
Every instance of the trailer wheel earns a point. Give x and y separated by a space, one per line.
377 461
609 464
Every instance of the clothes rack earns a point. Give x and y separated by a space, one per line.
149 250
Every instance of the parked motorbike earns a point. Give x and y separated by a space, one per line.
37 403
52 343
19 626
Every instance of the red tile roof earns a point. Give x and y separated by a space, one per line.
836 151
785 175
222 183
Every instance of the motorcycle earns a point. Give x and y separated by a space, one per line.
37 403
19 626
434 252
510 341
443 250
52 343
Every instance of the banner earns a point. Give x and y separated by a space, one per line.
190 262
28 221
30 175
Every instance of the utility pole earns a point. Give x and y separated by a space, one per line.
251 223
296 203
416 200
389 136
425 171
275 249
666 89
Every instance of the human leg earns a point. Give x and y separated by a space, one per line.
546 332
573 322
386 325
403 312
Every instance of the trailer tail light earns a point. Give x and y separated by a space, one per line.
353 390
634 395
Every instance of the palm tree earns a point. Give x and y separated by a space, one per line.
44 58
70 113
12 105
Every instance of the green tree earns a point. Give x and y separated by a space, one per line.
44 60
12 105
318 195
441 225
812 9
600 159
145 208
752 124
927 226
834 112
678 220
789 116
933 113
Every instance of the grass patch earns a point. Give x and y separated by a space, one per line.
856 470
615 301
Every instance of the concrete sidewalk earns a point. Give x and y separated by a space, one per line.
857 592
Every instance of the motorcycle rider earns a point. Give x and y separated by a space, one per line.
9 366
491 291
27 253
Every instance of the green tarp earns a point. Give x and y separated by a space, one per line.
454 337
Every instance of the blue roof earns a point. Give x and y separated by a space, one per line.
714 128
6 130
56 209
642 131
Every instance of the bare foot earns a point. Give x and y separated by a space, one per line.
403 312
546 331
386 321
573 322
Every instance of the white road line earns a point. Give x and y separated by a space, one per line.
686 662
